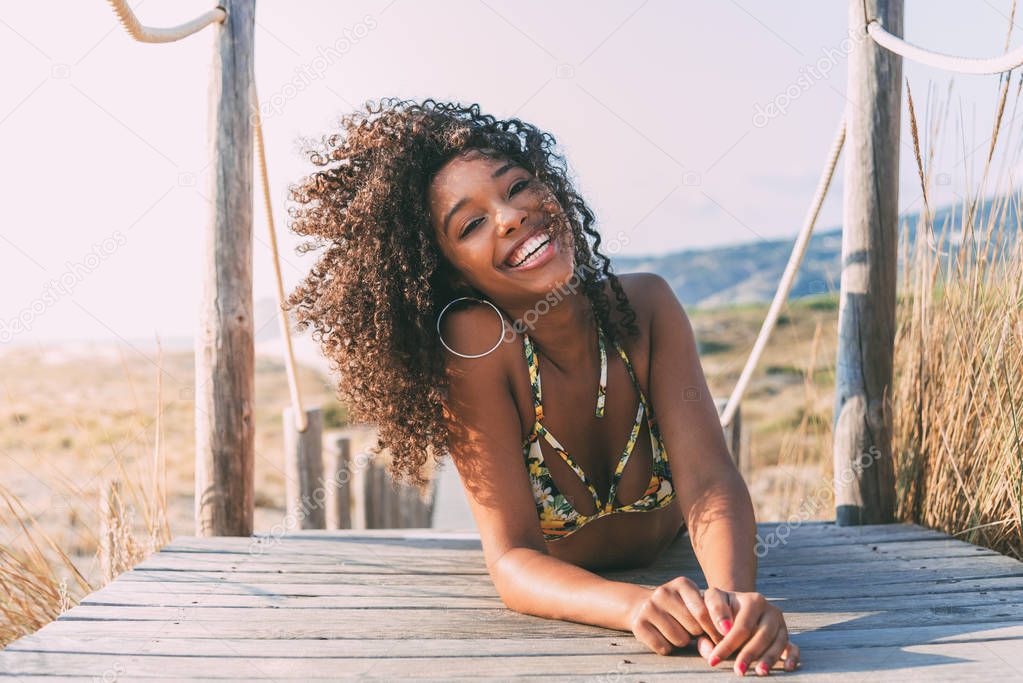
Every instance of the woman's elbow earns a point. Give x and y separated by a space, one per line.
510 577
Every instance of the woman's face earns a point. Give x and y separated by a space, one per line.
494 222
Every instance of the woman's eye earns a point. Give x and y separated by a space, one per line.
471 226
515 189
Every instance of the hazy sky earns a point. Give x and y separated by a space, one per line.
654 103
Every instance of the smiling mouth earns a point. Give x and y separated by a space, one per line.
533 247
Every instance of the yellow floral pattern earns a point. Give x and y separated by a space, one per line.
558 518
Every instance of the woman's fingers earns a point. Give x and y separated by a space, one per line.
650 636
704 646
751 607
791 656
759 640
671 597
762 664
696 606
669 627
719 605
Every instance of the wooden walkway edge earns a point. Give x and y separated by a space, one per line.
880 602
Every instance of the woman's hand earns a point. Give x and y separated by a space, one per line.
671 616
748 618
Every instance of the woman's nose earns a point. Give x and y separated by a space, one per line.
511 220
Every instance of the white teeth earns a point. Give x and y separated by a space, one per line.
533 244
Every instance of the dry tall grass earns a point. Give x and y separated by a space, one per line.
39 580
958 395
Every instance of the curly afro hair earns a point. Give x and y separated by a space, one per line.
374 295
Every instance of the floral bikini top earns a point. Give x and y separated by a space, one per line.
558 519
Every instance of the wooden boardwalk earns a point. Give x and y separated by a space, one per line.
892 602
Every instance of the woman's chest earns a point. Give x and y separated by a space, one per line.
592 438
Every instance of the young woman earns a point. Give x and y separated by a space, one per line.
464 300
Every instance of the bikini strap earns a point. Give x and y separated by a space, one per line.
534 382
534 375
632 373
602 385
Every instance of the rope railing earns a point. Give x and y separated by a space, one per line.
147 34
301 422
893 43
788 277
874 29
962 65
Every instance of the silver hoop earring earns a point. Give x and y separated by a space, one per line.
478 355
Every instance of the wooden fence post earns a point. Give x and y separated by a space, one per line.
340 485
224 370
304 488
864 475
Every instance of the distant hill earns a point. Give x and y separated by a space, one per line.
750 272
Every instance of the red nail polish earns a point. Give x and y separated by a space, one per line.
762 669
742 667
714 660
726 625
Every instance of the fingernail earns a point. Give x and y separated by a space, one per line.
762 669
726 624
714 660
742 667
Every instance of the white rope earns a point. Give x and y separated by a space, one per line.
146 34
787 278
963 65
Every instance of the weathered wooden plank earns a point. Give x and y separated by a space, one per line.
164 569
74 637
381 586
795 531
357 550
418 622
947 661
307 609
286 558
299 604
269 546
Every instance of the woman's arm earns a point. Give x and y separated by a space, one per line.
533 582
714 498
485 437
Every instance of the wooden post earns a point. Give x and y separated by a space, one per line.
368 491
224 370
305 492
340 485
378 500
361 482
864 476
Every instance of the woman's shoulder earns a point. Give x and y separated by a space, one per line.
643 290
487 337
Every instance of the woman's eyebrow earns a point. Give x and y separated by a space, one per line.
462 202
